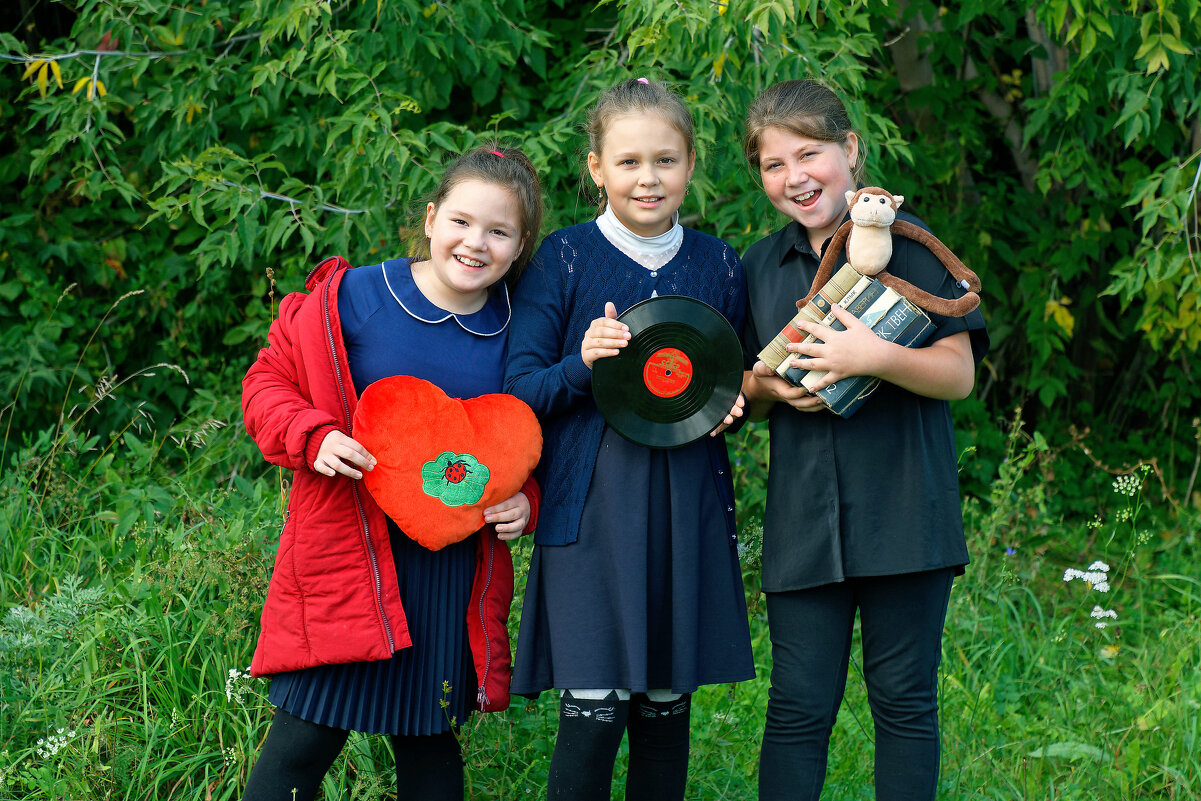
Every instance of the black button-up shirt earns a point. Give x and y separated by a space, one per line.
874 495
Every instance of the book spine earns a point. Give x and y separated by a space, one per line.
874 312
835 289
860 296
854 392
905 324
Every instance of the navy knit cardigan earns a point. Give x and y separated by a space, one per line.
564 288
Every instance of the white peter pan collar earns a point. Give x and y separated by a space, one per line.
492 319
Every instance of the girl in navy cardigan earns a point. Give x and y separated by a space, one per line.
634 596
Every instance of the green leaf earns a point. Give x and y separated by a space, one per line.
1068 750
1175 45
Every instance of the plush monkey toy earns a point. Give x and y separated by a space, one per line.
868 239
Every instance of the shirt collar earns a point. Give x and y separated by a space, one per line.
793 237
489 321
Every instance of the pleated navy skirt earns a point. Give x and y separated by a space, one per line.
650 596
405 694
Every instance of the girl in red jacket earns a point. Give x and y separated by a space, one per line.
364 628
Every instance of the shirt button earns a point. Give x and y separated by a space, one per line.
654 273
721 472
729 508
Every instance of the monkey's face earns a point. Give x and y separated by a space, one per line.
873 207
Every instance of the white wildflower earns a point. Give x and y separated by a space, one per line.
1097 576
237 684
47 747
104 386
1126 485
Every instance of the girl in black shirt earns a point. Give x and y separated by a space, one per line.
863 514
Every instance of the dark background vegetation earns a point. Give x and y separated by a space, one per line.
147 233
1053 145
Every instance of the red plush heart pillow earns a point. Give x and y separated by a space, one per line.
441 461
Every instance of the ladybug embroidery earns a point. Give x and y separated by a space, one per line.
455 472
456 479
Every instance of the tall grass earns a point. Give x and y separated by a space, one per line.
132 566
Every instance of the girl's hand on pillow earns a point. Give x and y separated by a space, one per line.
510 517
604 337
341 454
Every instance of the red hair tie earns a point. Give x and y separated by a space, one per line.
497 153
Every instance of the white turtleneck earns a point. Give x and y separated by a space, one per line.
652 252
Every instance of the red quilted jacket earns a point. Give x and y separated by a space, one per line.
333 595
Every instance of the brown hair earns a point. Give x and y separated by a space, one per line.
510 168
637 95
806 108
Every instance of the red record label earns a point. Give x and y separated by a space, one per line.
667 372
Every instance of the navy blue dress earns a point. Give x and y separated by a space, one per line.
646 593
390 328
650 596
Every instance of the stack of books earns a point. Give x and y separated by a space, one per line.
890 317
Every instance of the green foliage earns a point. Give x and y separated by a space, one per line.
198 157
1062 139
1097 652
1052 145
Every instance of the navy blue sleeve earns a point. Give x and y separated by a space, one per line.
540 370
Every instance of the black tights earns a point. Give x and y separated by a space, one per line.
590 733
298 754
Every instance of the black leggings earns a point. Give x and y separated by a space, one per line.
298 754
901 620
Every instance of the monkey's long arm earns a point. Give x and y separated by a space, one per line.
963 275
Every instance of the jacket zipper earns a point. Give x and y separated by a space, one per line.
481 698
354 487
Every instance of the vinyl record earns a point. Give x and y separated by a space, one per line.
676 378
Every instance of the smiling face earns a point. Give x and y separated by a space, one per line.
807 179
644 167
475 235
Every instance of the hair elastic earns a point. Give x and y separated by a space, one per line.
497 153
644 81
